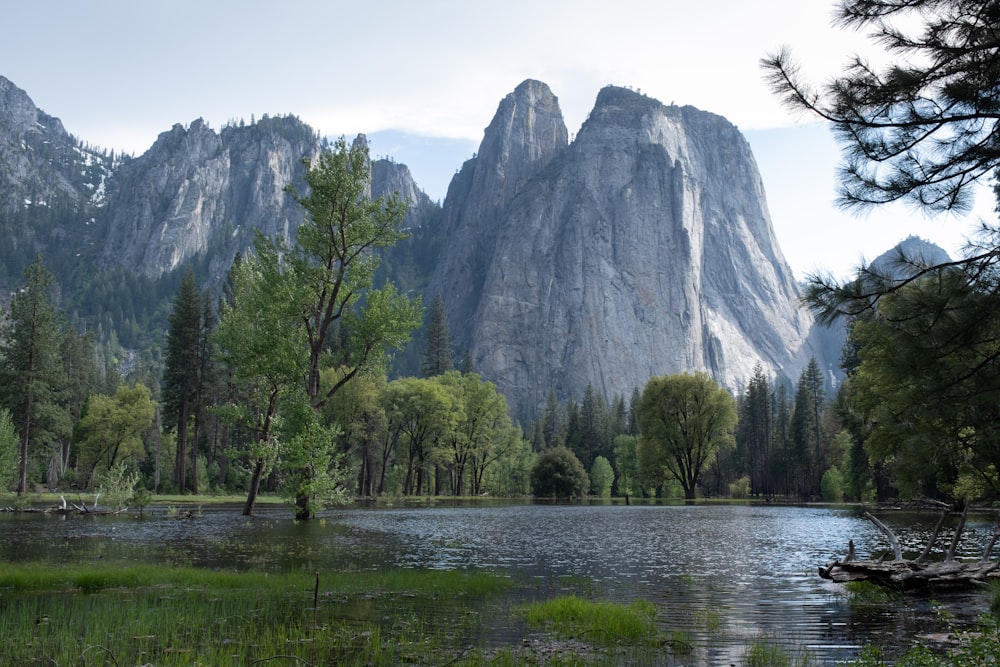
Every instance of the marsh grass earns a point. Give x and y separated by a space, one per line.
118 615
766 653
603 623
866 594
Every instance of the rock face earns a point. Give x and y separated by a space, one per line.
643 248
196 191
39 161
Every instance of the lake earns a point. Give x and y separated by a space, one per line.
724 575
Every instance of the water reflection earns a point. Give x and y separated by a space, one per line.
722 575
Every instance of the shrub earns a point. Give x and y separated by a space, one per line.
559 474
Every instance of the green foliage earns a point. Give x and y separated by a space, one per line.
929 382
8 449
832 486
603 623
422 413
602 477
765 653
111 428
32 375
627 465
757 434
740 488
438 357
922 127
559 474
314 474
684 421
481 434
117 485
187 374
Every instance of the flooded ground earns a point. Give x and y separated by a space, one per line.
721 576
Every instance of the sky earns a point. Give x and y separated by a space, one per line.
424 78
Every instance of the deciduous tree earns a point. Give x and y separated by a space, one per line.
558 473
332 262
683 420
111 428
262 341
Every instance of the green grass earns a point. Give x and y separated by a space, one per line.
604 623
765 653
118 615
867 594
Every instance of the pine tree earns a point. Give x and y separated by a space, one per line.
181 372
437 352
807 430
755 432
31 369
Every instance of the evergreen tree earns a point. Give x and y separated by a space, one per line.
437 351
466 367
552 429
181 374
31 369
755 432
807 421
593 425
9 449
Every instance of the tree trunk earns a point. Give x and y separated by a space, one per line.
302 499
180 470
914 573
258 474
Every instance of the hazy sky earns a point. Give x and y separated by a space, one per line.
119 72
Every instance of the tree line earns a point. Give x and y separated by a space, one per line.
280 383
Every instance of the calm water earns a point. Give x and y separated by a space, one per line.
725 575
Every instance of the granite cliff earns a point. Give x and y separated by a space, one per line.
644 247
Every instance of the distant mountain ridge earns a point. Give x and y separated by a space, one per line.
640 248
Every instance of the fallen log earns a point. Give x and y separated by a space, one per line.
911 573
918 573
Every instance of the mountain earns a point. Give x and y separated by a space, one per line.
51 187
904 259
641 247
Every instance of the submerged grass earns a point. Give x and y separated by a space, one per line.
117 615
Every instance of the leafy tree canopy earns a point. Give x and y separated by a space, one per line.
557 473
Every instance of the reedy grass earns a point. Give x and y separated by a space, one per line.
766 653
603 623
118 615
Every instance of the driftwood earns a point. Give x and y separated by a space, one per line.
917 573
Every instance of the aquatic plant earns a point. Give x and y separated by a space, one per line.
767 653
605 623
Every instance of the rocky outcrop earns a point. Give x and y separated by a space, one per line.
643 248
196 191
527 132
40 163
